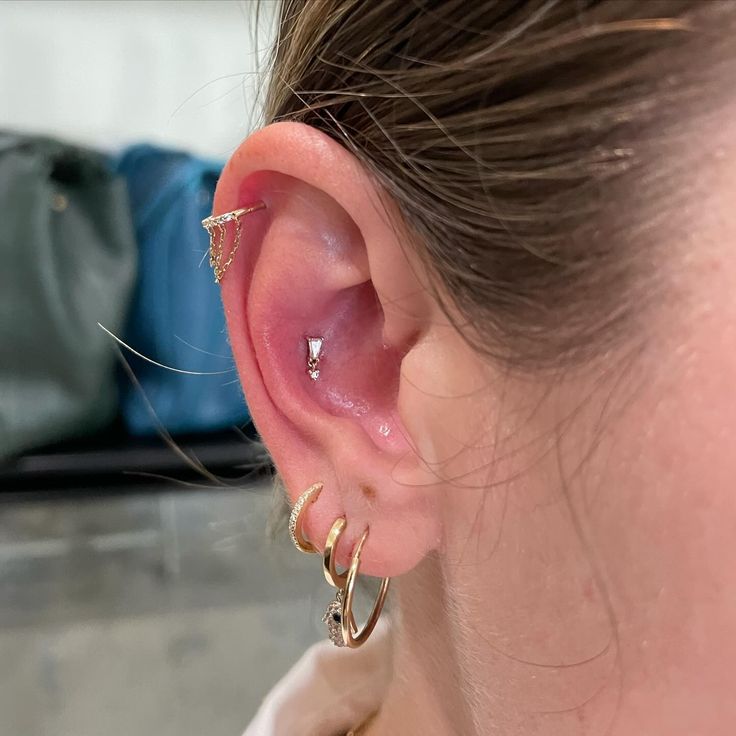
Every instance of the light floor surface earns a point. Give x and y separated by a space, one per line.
166 613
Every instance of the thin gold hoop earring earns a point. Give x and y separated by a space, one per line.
347 621
215 226
333 614
329 564
295 519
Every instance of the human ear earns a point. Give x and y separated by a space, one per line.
325 259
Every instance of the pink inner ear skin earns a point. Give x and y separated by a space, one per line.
310 279
359 373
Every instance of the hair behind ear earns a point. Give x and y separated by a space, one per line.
514 135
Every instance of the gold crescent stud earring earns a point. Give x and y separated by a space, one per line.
215 226
296 519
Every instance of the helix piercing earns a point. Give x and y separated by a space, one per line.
215 226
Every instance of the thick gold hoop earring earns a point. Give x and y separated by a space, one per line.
329 564
333 615
295 519
347 621
215 226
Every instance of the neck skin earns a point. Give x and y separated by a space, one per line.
590 595
424 697
480 653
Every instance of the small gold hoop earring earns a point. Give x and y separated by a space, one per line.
329 564
215 226
347 621
295 519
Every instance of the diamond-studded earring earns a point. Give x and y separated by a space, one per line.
342 629
295 519
215 226
314 346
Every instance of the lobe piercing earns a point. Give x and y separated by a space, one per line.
315 349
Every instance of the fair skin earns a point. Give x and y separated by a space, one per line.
562 546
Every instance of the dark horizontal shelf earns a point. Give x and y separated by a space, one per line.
114 461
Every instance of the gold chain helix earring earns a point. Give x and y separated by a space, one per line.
215 226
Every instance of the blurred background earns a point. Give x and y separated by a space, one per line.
140 589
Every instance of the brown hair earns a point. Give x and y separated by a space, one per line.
521 139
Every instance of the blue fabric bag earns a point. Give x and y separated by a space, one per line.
176 317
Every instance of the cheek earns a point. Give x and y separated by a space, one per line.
692 435
687 449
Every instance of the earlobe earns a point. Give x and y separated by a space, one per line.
322 261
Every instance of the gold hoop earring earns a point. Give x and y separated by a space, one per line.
295 519
329 564
347 621
333 614
215 226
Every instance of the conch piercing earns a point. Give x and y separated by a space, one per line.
215 226
314 345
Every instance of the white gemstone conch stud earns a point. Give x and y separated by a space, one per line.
315 350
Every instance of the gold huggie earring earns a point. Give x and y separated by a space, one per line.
329 566
295 519
360 637
215 226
